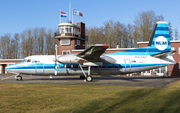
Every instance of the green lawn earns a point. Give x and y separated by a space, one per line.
55 98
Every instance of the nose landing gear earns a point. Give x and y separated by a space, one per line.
18 77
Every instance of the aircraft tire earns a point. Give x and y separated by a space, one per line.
19 78
89 79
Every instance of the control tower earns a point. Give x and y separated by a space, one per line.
70 37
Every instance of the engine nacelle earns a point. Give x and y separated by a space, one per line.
107 60
73 59
69 59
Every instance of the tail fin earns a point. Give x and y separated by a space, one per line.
160 39
159 42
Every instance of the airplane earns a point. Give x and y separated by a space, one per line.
92 60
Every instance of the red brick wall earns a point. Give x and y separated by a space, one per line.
82 29
174 70
66 47
143 45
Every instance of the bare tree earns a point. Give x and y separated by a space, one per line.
145 22
170 31
5 46
16 46
130 35
50 42
176 34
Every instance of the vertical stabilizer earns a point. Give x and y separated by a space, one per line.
160 39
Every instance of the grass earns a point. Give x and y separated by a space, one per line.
55 98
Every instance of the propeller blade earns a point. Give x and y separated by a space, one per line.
55 70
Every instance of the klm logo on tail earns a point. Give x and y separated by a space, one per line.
161 43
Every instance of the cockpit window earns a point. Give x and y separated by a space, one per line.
29 60
24 60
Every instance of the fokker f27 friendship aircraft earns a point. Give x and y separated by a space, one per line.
91 61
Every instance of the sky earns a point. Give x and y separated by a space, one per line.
19 15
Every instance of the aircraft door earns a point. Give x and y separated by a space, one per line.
39 68
127 65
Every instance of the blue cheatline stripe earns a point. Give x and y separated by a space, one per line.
162 28
141 51
161 32
52 66
165 35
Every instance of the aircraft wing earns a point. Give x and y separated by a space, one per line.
93 52
164 54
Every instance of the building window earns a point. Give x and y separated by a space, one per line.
66 30
179 50
160 71
62 31
64 52
65 42
179 65
78 42
157 70
68 52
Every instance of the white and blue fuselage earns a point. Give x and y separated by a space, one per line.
44 65
158 53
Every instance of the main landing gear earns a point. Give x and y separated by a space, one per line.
88 77
18 77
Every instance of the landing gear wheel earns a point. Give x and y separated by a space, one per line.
89 79
18 78
82 77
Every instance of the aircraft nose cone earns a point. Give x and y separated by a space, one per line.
8 67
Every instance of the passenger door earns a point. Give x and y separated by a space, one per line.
127 65
39 68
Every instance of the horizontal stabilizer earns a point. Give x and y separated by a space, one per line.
163 54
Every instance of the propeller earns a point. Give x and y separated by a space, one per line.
55 70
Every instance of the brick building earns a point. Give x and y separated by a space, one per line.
70 37
6 62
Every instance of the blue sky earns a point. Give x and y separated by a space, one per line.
18 15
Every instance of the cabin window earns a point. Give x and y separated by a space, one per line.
65 65
119 66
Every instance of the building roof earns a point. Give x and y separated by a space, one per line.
68 24
172 41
